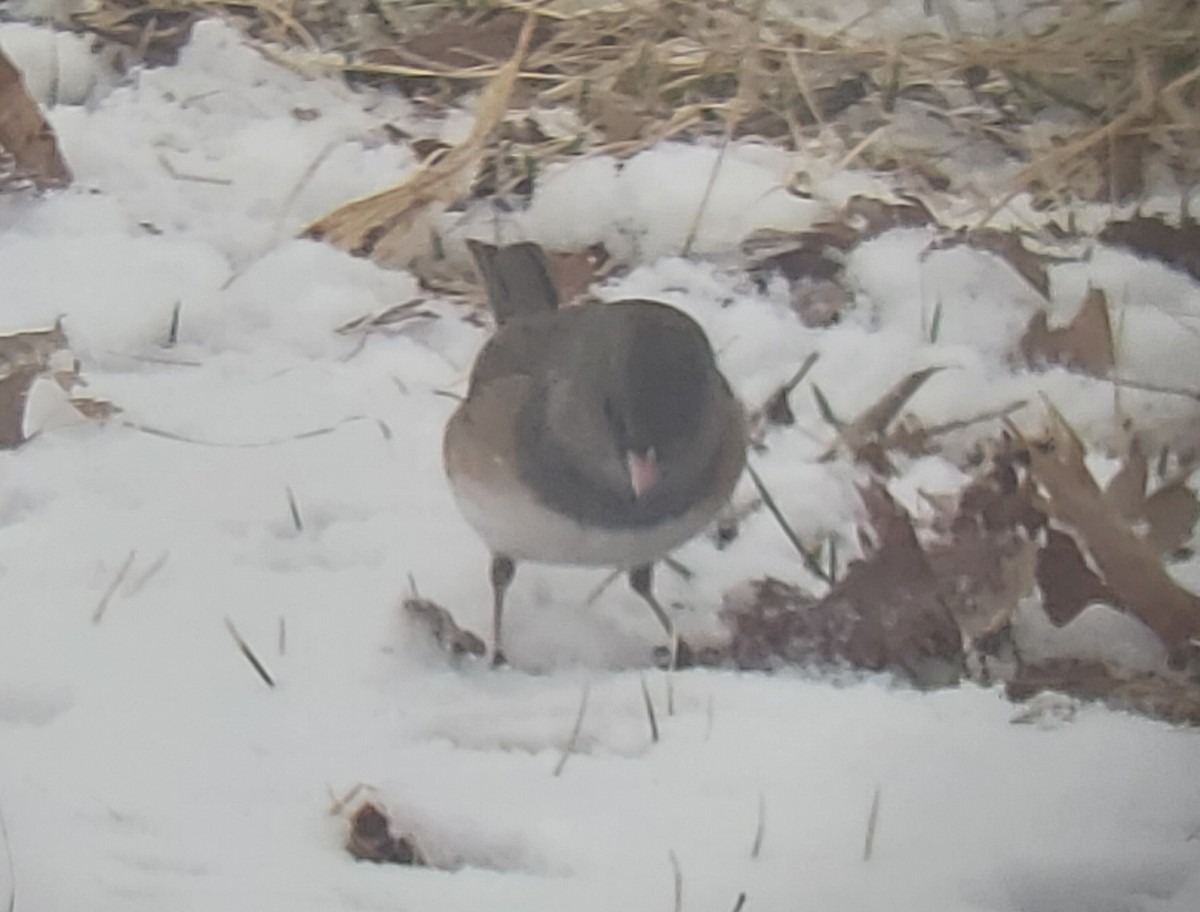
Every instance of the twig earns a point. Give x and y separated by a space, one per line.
872 825
173 327
678 877
136 586
282 635
249 654
112 588
811 563
251 445
739 902
649 711
694 230
576 729
297 521
760 828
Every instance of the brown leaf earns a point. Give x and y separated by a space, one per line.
95 409
885 614
1008 246
983 575
455 43
34 347
1085 344
877 216
26 139
1150 236
396 225
870 427
618 117
1171 700
1129 566
1170 514
452 639
815 254
370 839
1126 490
1067 583
14 389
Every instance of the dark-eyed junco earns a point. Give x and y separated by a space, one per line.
601 434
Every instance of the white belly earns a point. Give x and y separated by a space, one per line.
524 529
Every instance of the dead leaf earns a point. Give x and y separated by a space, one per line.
370 839
815 254
28 150
871 426
33 347
1128 565
95 409
1150 236
1085 344
452 639
455 43
1067 583
1008 246
1172 700
1126 490
618 117
14 390
884 614
873 216
1170 514
396 225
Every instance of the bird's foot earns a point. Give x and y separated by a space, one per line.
499 659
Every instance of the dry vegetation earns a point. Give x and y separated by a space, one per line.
1078 100
1087 107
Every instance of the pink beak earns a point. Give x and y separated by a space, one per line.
643 472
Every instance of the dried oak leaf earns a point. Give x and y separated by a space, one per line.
1008 246
454 43
371 839
886 614
451 638
1170 515
1129 566
14 390
396 226
1067 583
814 254
866 435
1150 236
873 216
1085 344
28 150
1172 700
1166 518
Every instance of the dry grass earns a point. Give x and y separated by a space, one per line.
1079 103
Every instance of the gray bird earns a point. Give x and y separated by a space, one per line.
595 435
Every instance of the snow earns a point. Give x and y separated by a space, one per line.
145 765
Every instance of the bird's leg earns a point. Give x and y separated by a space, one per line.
503 571
641 580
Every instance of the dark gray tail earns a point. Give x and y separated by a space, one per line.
517 279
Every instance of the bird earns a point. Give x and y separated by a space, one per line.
599 434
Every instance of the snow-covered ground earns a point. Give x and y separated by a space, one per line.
143 765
